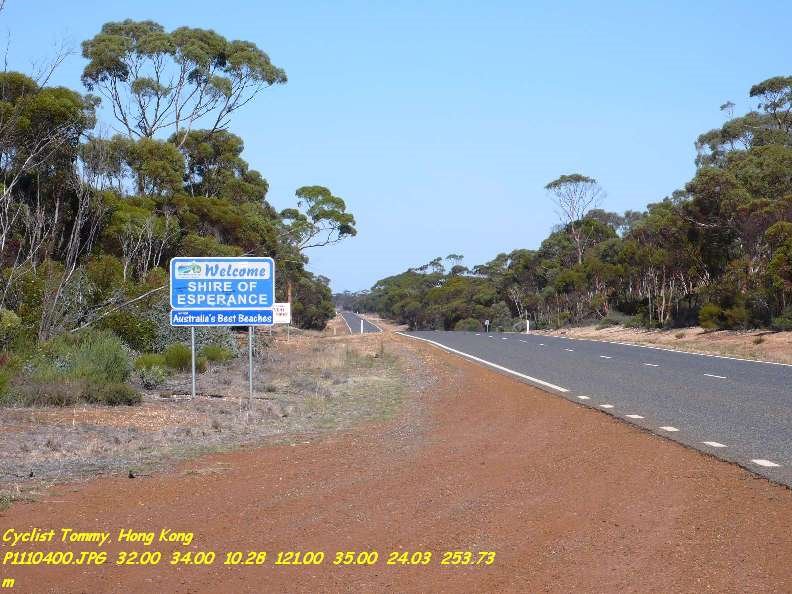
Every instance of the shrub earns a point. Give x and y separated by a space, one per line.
709 316
10 326
101 357
735 317
151 377
178 356
138 333
468 325
113 394
149 360
783 322
215 353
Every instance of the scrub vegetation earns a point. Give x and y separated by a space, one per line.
716 253
89 221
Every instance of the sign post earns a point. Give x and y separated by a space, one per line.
208 291
486 325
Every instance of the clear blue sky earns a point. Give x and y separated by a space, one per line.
440 122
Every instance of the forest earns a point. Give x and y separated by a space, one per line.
717 253
89 218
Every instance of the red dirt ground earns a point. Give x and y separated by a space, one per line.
570 500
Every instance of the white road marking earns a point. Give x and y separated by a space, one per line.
713 444
765 463
634 416
669 428
504 338
585 397
605 357
718 376
521 340
490 363
541 344
347 323
606 406
657 348
651 364
570 350
477 334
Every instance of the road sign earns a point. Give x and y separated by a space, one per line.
247 317
222 284
282 313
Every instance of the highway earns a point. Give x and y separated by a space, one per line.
353 323
737 410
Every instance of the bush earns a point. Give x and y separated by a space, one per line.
468 325
113 394
138 333
709 316
149 360
214 353
151 377
10 326
783 323
735 317
178 356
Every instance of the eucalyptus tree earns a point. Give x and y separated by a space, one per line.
575 195
158 81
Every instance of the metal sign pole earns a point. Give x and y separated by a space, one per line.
250 366
192 351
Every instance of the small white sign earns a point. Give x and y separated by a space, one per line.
281 313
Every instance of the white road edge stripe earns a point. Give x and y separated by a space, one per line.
634 416
345 322
651 364
606 406
490 363
605 357
717 376
713 444
669 428
765 463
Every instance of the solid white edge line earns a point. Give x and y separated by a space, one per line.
345 322
669 428
606 406
634 417
714 444
584 397
490 363
372 323
715 376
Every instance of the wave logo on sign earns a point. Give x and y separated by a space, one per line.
189 270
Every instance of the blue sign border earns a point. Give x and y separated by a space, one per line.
220 260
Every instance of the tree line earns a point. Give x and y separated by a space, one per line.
717 252
89 220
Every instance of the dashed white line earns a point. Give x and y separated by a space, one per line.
606 406
521 340
713 444
651 364
765 463
669 428
717 376
605 357
585 397
634 416
504 338
570 350
541 344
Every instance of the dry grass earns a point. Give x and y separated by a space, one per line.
307 386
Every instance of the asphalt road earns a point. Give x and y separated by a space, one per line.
353 323
737 410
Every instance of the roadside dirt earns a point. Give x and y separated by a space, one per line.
568 498
752 344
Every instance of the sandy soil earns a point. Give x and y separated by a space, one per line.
568 498
755 344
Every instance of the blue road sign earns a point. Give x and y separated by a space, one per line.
222 284
247 317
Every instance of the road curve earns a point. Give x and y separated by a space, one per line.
734 409
353 322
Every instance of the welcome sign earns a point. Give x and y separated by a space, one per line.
217 284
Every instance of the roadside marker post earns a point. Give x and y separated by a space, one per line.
192 353
235 291
361 325
486 325
527 326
